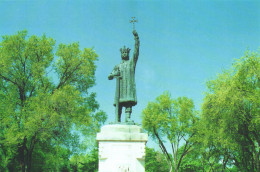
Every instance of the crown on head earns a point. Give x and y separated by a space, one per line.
124 49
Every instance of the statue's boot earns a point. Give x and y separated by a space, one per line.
127 118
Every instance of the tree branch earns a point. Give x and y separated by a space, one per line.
63 82
183 154
7 79
32 92
162 145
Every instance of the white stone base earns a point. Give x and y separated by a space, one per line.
121 148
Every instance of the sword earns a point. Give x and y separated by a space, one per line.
117 97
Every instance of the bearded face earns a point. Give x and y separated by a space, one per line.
125 53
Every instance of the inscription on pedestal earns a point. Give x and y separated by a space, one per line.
121 148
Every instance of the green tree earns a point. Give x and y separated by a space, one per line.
173 120
85 162
44 95
212 155
231 111
155 161
192 161
50 158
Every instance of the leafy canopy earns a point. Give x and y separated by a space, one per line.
231 112
173 120
44 94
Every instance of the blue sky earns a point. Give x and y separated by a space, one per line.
183 43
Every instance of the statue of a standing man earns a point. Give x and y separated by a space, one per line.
125 75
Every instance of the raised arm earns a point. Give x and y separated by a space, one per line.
137 44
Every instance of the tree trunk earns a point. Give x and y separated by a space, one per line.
29 163
170 169
257 160
21 158
30 152
21 155
175 162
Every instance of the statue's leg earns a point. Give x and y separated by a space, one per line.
128 111
116 112
119 112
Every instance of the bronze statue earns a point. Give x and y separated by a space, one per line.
125 81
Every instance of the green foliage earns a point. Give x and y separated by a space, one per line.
230 113
155 161
174 120
48 158
87 162
43 97
192 161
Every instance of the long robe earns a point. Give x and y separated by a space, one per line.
126 71
127 88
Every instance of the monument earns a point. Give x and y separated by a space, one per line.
122 144
125 81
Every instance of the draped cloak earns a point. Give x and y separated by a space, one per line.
127 88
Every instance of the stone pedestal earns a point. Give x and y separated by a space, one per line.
121 148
